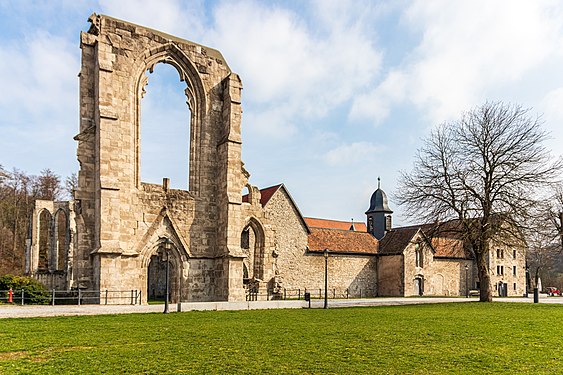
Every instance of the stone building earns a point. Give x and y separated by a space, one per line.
225 244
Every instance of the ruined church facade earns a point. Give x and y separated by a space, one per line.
121 222
224 243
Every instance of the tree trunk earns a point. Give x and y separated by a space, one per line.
485 294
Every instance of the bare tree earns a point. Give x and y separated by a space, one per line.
71 184
555 214
482 170
49 185
18 191
545 239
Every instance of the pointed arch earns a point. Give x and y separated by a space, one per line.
152 259
61 239
45 240
169 53
253 245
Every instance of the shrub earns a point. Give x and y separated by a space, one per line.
34 291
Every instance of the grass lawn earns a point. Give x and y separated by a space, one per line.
426 339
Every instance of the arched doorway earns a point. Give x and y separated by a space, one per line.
156 280
155 264
419 286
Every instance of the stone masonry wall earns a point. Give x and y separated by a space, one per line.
300 269
121 220
390 275
512 259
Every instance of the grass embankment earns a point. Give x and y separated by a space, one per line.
425 339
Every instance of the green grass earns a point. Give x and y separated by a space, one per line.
425 339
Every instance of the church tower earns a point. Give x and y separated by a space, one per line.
378 214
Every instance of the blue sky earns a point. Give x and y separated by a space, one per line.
336 93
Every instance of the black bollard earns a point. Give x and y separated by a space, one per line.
536 295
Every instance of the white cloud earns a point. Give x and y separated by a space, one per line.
287 65
38 102
376 105
352 153
41 69
183 19
468 51
552 106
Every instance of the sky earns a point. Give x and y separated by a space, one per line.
336 93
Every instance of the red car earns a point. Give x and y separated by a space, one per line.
552 291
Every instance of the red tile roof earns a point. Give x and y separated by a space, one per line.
342 241
445 240
334 224
265 194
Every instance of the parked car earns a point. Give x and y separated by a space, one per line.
552 291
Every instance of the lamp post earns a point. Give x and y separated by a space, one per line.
166 248
325 253
466 282
527 280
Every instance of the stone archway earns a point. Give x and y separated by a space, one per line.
153 269
252 244
419 285
118 209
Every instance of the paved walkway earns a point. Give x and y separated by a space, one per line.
28 311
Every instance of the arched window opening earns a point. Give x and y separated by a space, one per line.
247 244
252 245
245 194
62 240
44 240
419 258
165 129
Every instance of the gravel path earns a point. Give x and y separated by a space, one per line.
17 311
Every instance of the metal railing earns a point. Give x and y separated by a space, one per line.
71 297
315 293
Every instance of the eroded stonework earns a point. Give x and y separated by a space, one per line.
123 221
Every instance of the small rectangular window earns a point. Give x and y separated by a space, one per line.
502 270
514 286
514 270
514 254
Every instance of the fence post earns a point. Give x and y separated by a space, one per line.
79 296
284 294
360 293
53 299
320 293
131 296
346 293
23 296
298 294
106 297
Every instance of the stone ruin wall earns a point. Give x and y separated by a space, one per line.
120 218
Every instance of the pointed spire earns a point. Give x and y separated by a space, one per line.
378 182
352 227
